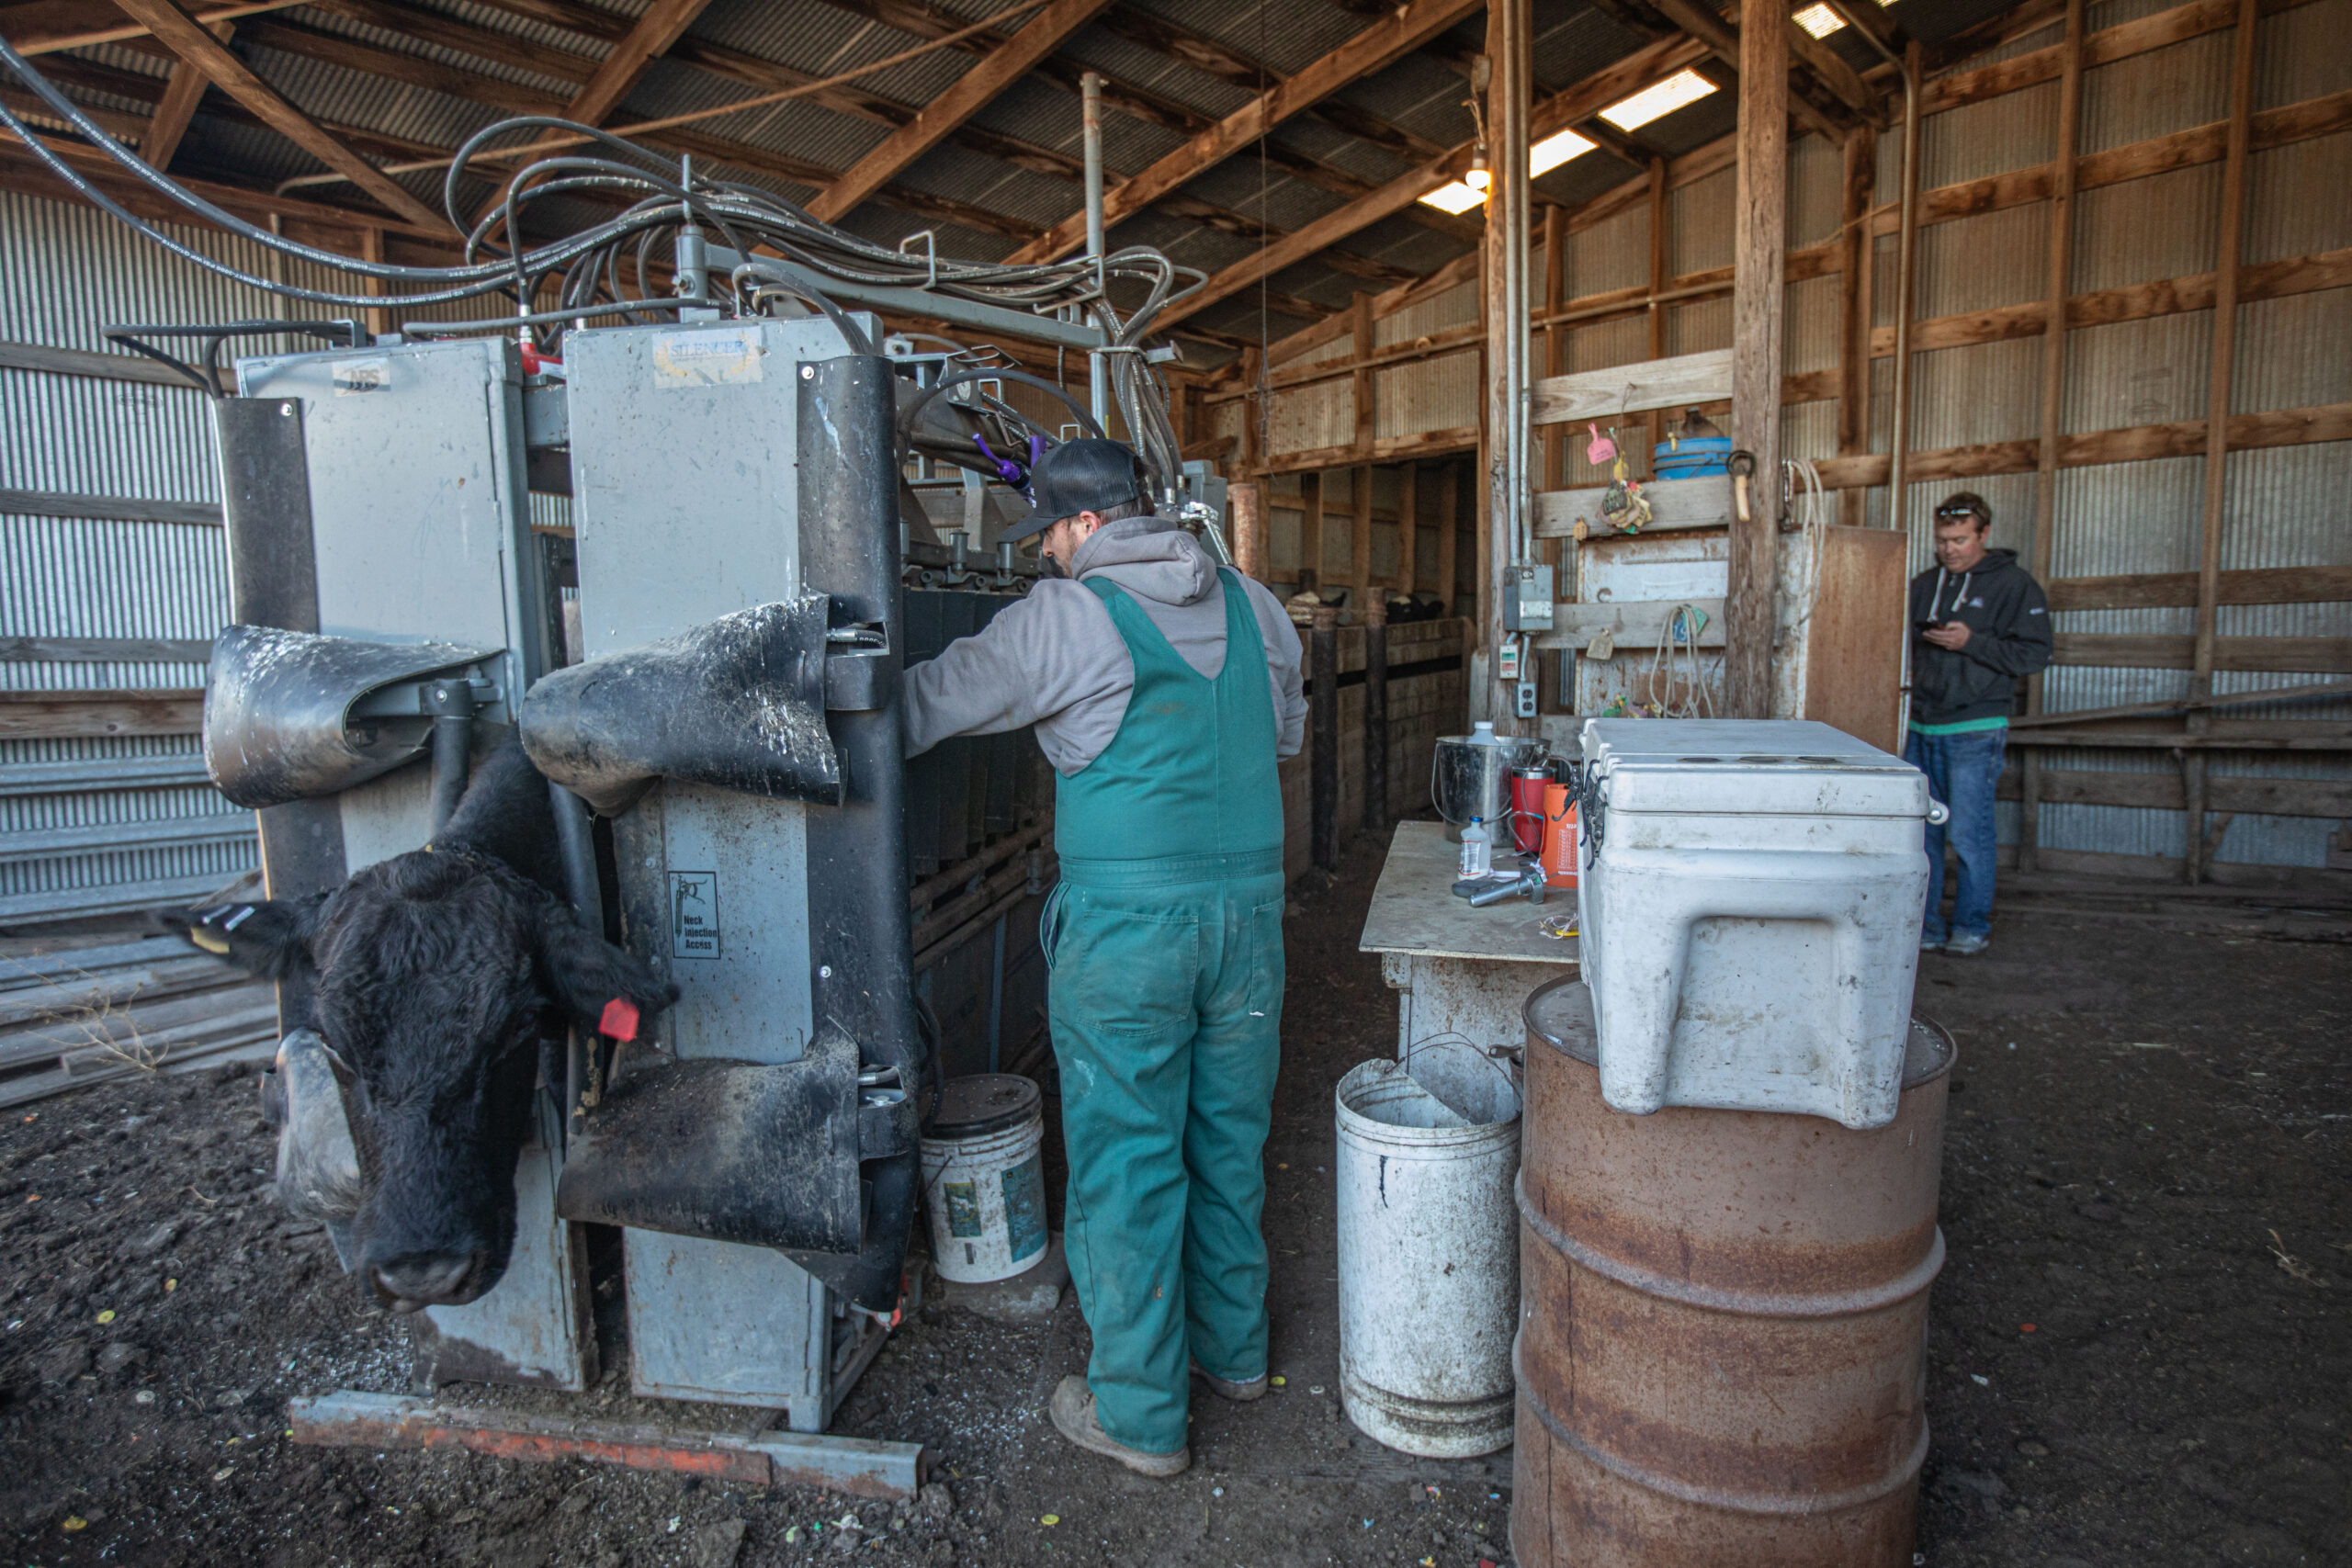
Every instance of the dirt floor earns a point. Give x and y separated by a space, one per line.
2140 1351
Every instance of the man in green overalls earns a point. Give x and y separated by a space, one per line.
1163 690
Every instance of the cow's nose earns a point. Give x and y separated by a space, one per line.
422 1279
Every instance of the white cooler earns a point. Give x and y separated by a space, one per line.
1750 909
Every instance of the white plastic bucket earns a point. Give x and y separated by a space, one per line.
1428 1252
983 1178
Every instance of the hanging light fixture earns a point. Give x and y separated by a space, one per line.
1478 178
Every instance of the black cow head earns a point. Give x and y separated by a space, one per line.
437 976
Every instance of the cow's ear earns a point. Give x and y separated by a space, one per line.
602 986
271 938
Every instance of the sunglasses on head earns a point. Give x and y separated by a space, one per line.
1958 512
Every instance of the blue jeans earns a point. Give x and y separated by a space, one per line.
1961 771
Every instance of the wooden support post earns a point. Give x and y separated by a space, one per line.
1409 527
1509 34
1448 537
1323 712
1759 235
1360 538
1657 313
1376 717
1556 337
1858 252
1361 314
2196 848
2053 389
1254 411
1310 532
371 249
1249 498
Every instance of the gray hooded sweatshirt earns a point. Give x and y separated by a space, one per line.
1055 659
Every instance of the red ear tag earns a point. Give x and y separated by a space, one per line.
619 1020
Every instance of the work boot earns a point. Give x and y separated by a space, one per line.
1072 1408
1226 1387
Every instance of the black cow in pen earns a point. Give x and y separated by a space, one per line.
437 976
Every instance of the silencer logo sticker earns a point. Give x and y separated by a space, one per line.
694 914
711 357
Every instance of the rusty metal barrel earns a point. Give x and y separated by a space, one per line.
1723 1323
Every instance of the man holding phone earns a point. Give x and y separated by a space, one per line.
1979 625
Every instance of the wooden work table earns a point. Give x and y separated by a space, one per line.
1461 974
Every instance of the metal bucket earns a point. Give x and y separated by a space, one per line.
1429 1268
1723 1331
1473 779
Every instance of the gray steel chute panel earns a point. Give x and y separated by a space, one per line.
421 530
687 453
378 495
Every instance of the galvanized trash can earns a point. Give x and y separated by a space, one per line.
1429 1251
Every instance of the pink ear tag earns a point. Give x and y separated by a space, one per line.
1601 448
619 1020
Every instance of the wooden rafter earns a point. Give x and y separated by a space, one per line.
515 98
1700 21
176 109
51 27
199 49
1652 64
1377 46
972 91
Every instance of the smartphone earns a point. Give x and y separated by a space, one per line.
1927 626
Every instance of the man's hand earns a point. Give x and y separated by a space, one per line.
1953 635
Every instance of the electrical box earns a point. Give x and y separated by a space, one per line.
1527 599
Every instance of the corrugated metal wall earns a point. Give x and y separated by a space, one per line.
65 270
2284 507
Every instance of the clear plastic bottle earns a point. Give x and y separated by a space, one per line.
1477 849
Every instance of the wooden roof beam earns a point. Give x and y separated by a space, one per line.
1654 63
1699 20
1377 47
199 49
1002 66
176 109
51 27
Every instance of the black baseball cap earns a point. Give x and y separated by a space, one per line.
1077 475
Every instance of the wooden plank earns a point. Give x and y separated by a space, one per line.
1726 42
1003 66
44 715
2186 704
2181 438
103 650
107 508
1360 536
1855 282
2163 792
82 362
2156 650
1673 503
1634 389
1654 63
1449 536
200 49
2142 590
1759 241
1853 641
1374 49
2272 734
1310 531
1637 625
1409 534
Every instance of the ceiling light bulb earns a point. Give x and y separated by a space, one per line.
1478 178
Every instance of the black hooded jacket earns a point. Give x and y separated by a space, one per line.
2008 627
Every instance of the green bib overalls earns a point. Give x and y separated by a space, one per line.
1166 941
